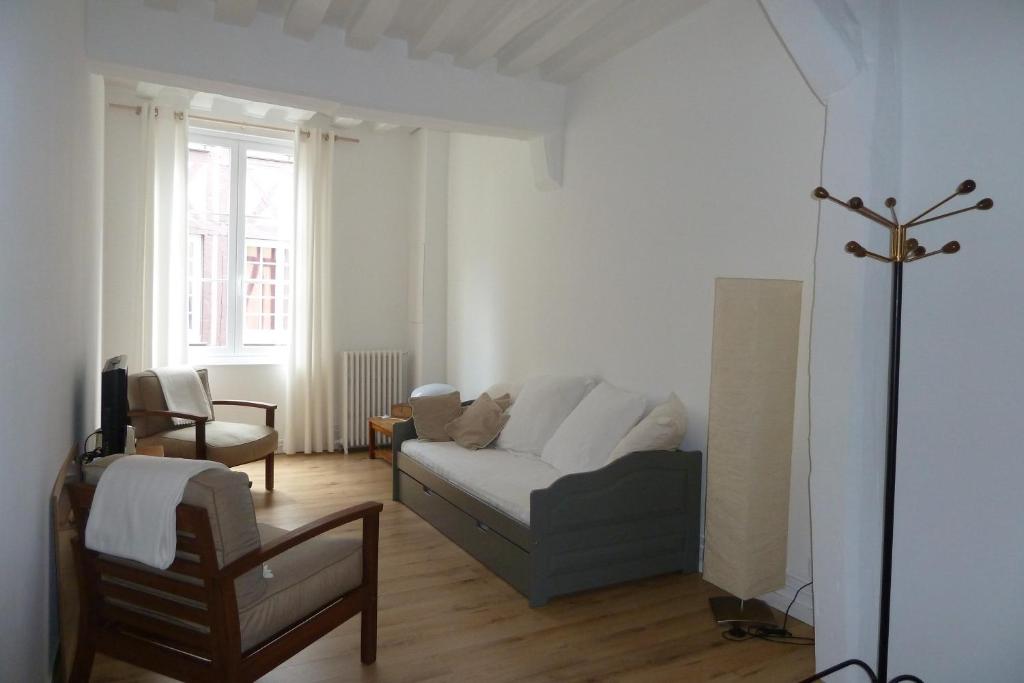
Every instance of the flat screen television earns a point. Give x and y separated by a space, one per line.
114 404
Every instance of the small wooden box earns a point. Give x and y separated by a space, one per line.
402 410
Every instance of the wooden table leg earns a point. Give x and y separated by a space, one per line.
372 443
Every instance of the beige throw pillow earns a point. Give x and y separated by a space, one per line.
480 424
503 401
432 413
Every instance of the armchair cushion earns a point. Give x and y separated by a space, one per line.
232 443
305 578
145 393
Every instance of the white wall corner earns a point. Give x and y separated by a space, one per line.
547 154
803 607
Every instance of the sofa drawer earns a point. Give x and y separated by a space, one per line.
500 555
498 521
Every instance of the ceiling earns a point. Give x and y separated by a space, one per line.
555 40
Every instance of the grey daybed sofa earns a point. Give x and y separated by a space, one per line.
636 517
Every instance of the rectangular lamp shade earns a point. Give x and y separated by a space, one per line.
750 433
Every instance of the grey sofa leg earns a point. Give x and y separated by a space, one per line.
270 472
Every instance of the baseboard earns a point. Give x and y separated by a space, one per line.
803 608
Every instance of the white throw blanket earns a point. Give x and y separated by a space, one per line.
132 513
183 392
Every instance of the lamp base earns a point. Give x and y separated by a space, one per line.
735 613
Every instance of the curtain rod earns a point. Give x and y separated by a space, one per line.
305 133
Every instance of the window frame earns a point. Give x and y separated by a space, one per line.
235 352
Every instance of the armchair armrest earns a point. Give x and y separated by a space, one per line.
369 512
248 404
269 407
200 421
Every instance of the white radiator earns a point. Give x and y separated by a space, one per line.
370 382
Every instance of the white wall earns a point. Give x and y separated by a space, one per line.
689 157
959 556
50 184
850 321
372 183
428 259
929 107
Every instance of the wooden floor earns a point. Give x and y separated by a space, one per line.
444 617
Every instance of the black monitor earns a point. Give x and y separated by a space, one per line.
114 404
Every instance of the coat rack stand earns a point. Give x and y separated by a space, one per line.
902 250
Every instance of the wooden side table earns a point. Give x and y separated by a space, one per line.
386 427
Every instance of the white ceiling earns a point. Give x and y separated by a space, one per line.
558 40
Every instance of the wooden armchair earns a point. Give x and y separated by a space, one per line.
232 443
213 615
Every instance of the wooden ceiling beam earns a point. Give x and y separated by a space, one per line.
516 17
438 27
620 29
304 17
237 12
369 23
347 122
517 59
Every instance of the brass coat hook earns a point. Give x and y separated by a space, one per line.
901 248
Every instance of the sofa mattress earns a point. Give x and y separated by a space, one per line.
502 479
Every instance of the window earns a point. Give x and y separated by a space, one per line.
240 233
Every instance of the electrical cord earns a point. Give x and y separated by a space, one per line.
89 454
782 636
785 618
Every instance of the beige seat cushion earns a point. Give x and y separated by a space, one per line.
232 443
225 496
145 393
306 578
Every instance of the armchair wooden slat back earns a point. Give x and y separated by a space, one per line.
184 622
186 611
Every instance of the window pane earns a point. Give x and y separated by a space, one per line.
209 219
268 196
269 227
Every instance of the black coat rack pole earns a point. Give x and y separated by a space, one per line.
902 249
890 469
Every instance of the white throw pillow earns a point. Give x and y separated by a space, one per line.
662 430
502 388
542 405
585 440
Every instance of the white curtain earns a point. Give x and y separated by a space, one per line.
164 339
309 408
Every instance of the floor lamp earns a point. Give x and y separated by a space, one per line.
902 249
